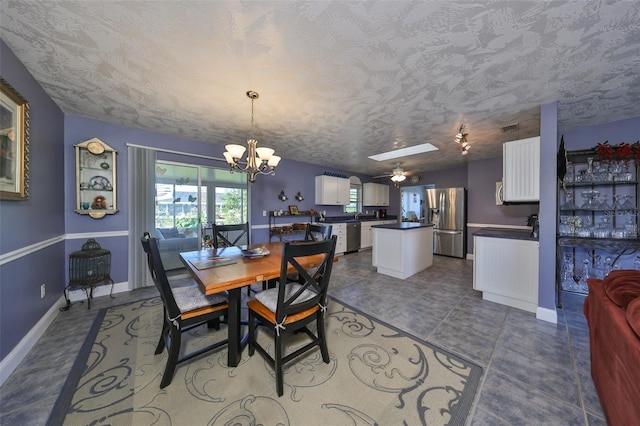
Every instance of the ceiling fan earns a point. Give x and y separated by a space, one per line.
397 174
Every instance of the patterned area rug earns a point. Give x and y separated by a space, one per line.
377 375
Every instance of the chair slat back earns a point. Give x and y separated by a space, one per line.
316 279
154 262
221 237
317 232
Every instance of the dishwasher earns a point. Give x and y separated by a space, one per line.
353 236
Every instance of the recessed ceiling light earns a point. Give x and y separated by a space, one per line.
404 152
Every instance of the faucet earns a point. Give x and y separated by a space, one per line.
355 216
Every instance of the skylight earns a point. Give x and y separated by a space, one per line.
404 152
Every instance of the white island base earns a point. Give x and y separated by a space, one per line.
401 250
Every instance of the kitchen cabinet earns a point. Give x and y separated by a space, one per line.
521 170
598 214
331 190
506 271
95 179
402 249
366 233
340 230
375 194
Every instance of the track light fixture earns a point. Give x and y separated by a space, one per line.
461 139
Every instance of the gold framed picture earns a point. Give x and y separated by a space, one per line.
14 144
293 210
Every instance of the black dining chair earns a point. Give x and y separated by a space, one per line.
224 234
315 232
184 309
291 306
233 236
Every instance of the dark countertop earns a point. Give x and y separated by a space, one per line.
512 234
403 226
361 218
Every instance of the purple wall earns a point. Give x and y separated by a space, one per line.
449 178
34 221
480 177
482 208
589 136
291 176
549 141
79 129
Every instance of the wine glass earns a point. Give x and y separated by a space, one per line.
627 204
568 282
617 201
607 266
568 201
587 199
598 268
584 276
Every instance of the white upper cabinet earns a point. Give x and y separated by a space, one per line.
331 190
375 194
521 170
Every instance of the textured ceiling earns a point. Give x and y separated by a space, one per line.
338 81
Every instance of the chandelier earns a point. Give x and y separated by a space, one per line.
461 139
259 160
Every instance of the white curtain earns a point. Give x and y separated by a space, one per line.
141 211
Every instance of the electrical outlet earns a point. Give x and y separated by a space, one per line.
42 291
264 212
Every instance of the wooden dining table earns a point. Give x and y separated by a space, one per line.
234 276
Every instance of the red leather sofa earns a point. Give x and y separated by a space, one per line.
612 309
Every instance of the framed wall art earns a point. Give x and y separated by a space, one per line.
293 210
14 144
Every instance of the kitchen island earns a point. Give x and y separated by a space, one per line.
505 267
401 250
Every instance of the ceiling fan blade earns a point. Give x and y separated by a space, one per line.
383 176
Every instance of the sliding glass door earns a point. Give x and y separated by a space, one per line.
189 198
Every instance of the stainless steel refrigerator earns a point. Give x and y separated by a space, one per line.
446 208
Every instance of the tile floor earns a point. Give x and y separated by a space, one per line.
534 372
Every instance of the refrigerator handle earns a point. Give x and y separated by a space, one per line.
441 231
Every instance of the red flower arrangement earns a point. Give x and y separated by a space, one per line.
624 152
636 147
605 152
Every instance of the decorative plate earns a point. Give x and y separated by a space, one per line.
255 252
95 148
99 182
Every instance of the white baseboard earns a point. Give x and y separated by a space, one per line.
101 290
545 314
470 256
15 357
